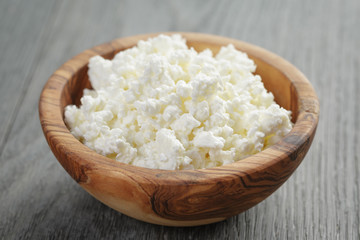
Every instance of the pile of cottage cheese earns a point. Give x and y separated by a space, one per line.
162 105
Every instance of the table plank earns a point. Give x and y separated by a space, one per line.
320 201
22 32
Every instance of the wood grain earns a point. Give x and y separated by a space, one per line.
38 200
181 198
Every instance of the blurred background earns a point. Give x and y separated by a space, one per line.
38 200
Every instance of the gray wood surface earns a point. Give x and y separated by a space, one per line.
38 200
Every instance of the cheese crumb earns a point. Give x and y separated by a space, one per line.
162 105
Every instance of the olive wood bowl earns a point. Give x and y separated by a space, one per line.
181 197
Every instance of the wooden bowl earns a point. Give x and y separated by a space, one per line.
183 197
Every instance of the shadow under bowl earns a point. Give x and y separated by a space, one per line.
183 197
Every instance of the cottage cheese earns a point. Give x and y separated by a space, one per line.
162 105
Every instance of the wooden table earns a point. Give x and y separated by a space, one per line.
39 200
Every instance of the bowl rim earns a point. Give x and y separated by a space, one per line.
55 129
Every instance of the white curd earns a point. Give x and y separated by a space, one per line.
162 105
